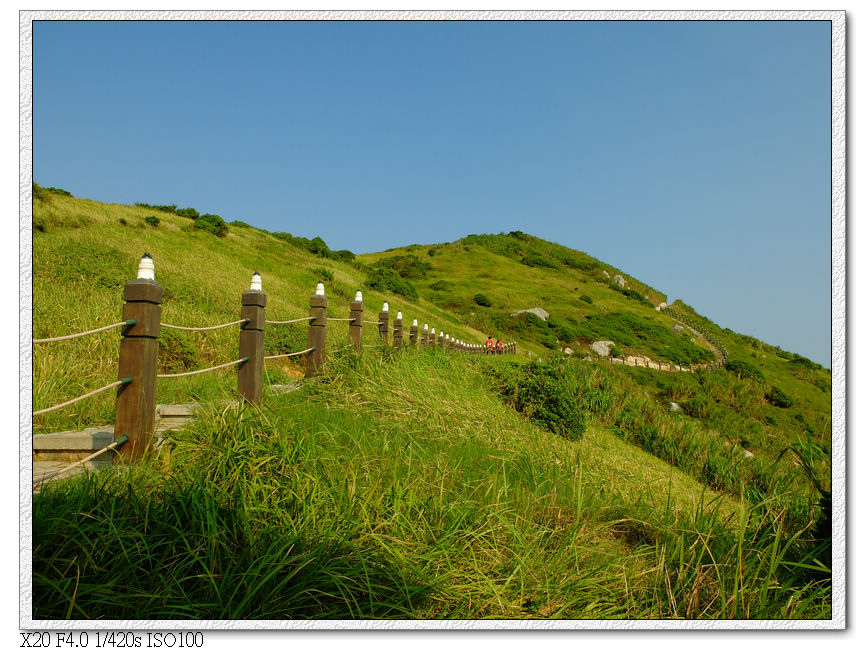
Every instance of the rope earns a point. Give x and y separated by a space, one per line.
292 354
113 445
286 322
131 321
198 372
343 319
127 380
373 322
202 329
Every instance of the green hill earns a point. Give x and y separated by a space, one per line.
421 483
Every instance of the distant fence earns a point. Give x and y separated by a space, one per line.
706 334
135 406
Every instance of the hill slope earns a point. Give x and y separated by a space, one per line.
426 481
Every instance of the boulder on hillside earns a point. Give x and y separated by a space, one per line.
677 329
661 306
543 314
606 275
675 407
602 348
618 279
568 351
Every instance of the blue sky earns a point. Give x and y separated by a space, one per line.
693 155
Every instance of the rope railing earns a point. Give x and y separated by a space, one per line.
119 382
204 329
286 322
203 370
291 354
135 407
131 321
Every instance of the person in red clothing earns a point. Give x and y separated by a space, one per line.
500 348
488 346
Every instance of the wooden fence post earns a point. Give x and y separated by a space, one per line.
412 334
317 331
424 336
432 337
397 330
441 339
383 318
135 412
250 374
355 326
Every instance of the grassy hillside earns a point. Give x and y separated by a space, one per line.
421 484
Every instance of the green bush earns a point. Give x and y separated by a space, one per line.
387 281
323 274
189 213
779 398
482 300
152 221
536 259
57 190
586 298
745 370
162 208
543 394
213 224
409 267
441 285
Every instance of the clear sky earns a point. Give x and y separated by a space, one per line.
694 156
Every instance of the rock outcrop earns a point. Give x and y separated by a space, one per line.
602 348
543 314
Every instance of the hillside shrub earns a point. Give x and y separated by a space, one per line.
189 213
213 224
536 259
441 285
745 370
482 300
564 330
542 393
57 190
629 293
162 208
323 274
387 281
586 298
410 267
152 221
777 397
803 362
41 193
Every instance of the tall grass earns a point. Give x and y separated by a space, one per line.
400 486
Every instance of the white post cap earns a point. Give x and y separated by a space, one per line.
433 330
426 326
385 307
146 269
414 323
358 297
447 337
319 289
255 285
399 315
